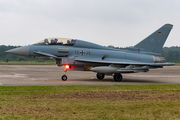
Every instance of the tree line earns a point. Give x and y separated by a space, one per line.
171 54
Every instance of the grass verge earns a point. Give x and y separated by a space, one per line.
90 102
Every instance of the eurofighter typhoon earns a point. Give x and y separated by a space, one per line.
80 55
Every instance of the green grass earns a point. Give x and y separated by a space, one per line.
90 102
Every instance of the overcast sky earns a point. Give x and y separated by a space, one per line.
106 22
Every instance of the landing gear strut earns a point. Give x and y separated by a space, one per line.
100 76
118 77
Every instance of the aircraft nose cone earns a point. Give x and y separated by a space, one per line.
23 51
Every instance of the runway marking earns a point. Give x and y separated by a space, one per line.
123 75
80 76
71 75
13 76
153 76
54 73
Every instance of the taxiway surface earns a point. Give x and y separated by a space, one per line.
43 75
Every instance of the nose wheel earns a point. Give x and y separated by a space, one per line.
64 77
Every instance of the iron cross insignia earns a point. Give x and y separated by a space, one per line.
82 52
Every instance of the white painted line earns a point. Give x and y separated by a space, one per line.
13 76
153 76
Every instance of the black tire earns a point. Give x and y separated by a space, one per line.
118 77
64 78
100 76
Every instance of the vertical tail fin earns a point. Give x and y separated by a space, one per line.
155 41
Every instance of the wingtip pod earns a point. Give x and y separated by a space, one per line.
168 25
170 64
162 64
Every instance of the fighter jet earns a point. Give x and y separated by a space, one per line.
80 55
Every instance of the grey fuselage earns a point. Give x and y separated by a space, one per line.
68 53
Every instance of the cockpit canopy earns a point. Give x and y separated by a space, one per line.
56 41
70 42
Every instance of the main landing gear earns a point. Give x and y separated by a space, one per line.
100 76
117 76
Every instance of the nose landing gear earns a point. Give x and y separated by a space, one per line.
64 77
